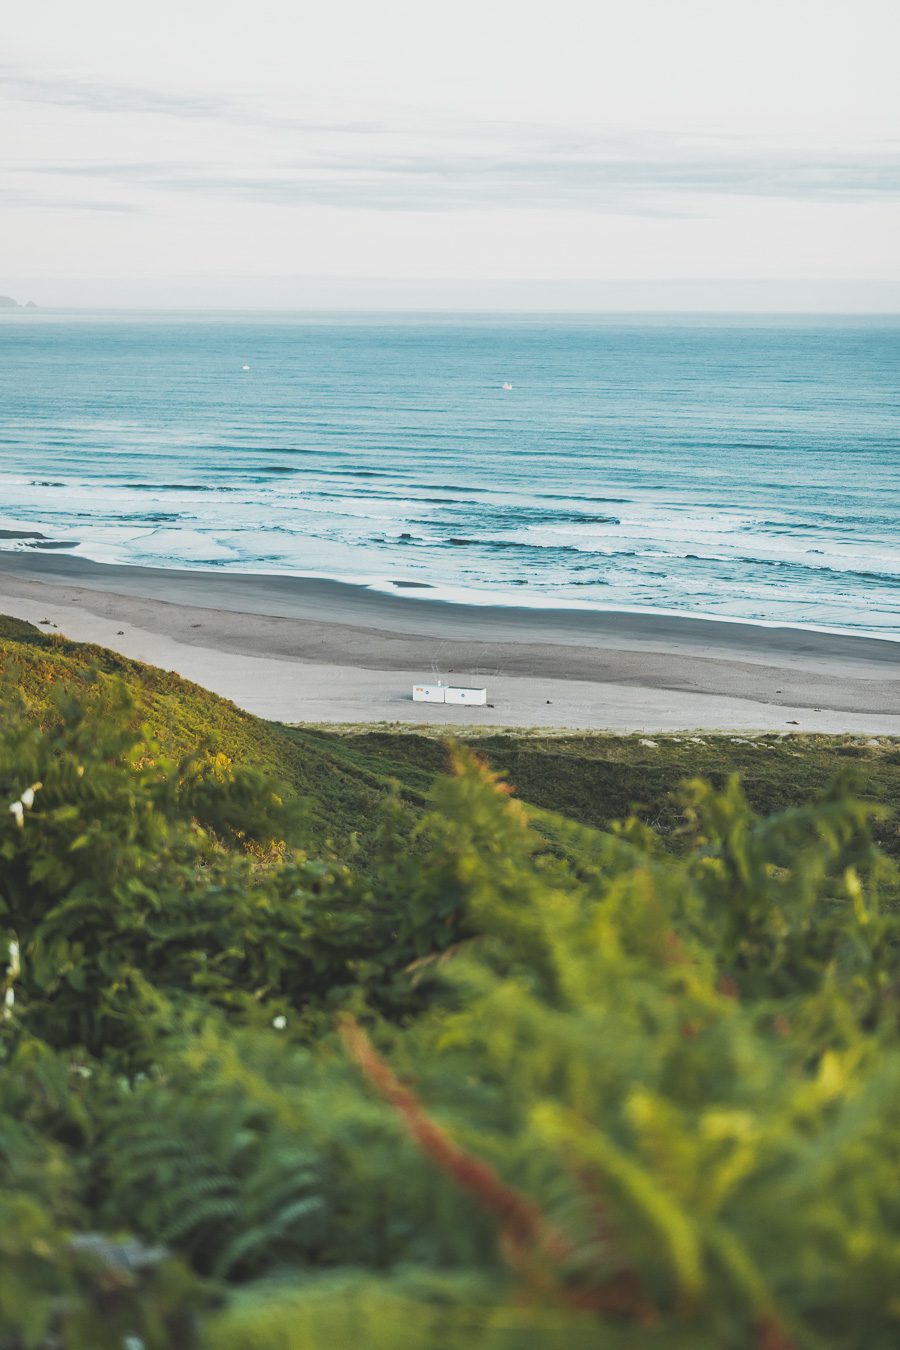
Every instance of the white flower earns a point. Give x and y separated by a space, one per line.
9 998
279 1022
18 811
14 966
27 798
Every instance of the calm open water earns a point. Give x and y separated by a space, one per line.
745 468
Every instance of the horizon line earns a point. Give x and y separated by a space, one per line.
34 308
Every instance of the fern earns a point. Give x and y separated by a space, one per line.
617 1089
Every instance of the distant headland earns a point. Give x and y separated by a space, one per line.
7 302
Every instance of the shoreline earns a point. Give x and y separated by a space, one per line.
459 599
308 649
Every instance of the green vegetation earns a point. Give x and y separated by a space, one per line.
342 775
290 1057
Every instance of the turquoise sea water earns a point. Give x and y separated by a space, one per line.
745 468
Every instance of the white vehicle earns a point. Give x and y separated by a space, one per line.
460 695
428 693
448 693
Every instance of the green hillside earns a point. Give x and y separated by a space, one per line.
292 1059
341 775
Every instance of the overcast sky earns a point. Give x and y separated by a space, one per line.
516 153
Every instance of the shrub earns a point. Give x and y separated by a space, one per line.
522 1082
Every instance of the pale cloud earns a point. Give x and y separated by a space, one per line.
459 181
394 140
98 96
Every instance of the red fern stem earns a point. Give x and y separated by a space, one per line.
520 1219
527 1239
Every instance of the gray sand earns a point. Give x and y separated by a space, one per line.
300 649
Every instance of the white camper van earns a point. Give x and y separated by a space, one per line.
461 695
428 693
448 693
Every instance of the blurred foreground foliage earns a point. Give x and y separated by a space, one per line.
517 1082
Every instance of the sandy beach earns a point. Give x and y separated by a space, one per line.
300 649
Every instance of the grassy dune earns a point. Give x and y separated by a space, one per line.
342 773
291 1066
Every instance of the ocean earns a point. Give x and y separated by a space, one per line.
732 467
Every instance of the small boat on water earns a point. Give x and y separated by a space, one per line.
506 385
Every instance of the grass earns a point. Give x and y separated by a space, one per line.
342 773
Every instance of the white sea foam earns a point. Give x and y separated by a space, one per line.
633 469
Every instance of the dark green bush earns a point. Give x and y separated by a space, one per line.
596 1094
